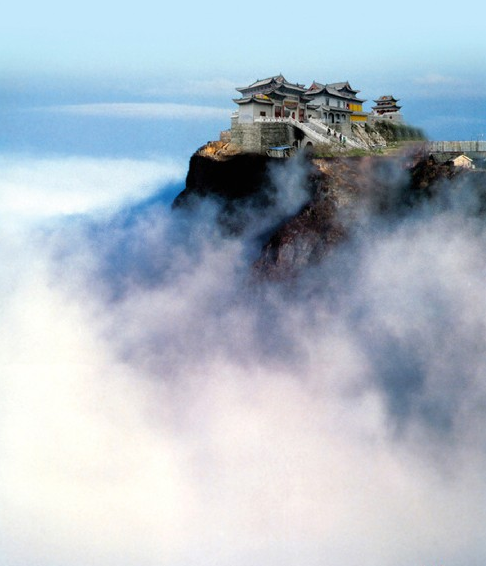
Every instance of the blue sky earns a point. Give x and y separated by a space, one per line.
54 55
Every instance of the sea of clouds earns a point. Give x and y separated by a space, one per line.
159 407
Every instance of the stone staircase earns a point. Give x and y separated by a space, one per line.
321 133
333 135
318 132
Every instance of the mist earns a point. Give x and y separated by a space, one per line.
160 406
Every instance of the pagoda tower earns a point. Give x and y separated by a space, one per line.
387 107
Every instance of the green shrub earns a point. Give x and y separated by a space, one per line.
398 132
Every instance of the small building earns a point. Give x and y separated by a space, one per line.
453 159
281 151
386 108
462 161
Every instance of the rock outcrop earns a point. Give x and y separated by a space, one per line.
342 191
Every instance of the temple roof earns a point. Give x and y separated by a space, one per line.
316 87
276 79
339 90
278 88
273 83
347 95
386 107
386 98
248 99
343 86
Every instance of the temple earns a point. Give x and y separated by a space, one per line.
335 103
274 98
274 112
387 108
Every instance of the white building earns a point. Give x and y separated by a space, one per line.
335 103
274 97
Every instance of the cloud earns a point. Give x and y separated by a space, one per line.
37 187
190 87
144 110
436 79
443 85
157 408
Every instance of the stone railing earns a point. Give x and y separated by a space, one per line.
472 146
312 134
269 119
351 141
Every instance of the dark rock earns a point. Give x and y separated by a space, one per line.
342 190
235 178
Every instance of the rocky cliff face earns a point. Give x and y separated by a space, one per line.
349 191
342 193
233 178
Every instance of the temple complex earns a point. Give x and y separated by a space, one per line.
274 113
275 97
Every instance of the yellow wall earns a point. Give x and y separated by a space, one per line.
357 107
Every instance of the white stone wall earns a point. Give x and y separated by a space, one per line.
393 117
248 112
258 137
321 99
462 146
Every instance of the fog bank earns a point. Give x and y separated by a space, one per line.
160 407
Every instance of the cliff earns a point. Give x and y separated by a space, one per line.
342 191
231 177
235 180
349 191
